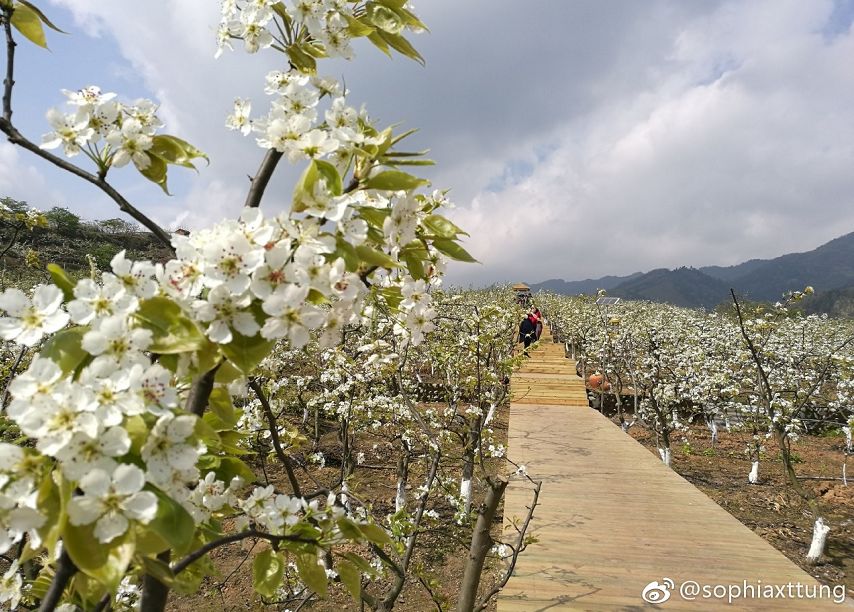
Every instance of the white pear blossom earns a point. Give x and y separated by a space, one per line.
72 131
28 321
11 587
111 501
130 143
166 451
239 119
116 339
291 316
100 300
135 276
223 311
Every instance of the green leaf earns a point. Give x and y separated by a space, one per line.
247 352
65 348
62 280
374 216
304 189
156 172
230 442
401 45
267 571
384 18
393 296
84 548
173 332
346 251
174 150
27 22
349 529
330 174
374 257
312 573
301 59
229 467
375 534
453 250
442 227
172 523
364 566
357 28
41 15
281 10
222 407
351 578
119 556
394 180
379 42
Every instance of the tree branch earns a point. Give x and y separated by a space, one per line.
9 81
194 556
65 570
262 178
15 137
274 435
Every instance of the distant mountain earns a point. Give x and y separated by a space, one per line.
829 269
836 303
588 286
681 287
830 266
730 273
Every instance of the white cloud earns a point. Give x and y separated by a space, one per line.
21 181
578 139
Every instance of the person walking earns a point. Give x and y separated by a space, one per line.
538 323
528 332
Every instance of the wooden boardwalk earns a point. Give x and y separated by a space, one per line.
612 518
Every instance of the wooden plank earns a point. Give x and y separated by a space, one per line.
612 518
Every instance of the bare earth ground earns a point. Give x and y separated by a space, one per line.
441 556
769 508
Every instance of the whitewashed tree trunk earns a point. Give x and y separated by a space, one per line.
465 493
848 444
753 477
844 475
489 414
713 427
345 498
665 455
819 538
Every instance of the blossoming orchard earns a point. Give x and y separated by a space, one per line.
245 392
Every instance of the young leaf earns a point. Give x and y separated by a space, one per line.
173 523
27 22
267 571
41 15
453 250
384 18
394 180
156 172
376 534
373 257
62 280
351 578
246 352
65 349
330 175
312 573
173 332
442 227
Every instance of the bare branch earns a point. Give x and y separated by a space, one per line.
274 435
262 178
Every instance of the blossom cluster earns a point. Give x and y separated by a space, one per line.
251 21
111 132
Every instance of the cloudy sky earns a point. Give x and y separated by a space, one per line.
578 138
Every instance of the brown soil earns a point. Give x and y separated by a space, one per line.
771 508
440 554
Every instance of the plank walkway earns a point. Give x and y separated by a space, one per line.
611 517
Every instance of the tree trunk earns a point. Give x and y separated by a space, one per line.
819 538
481 543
